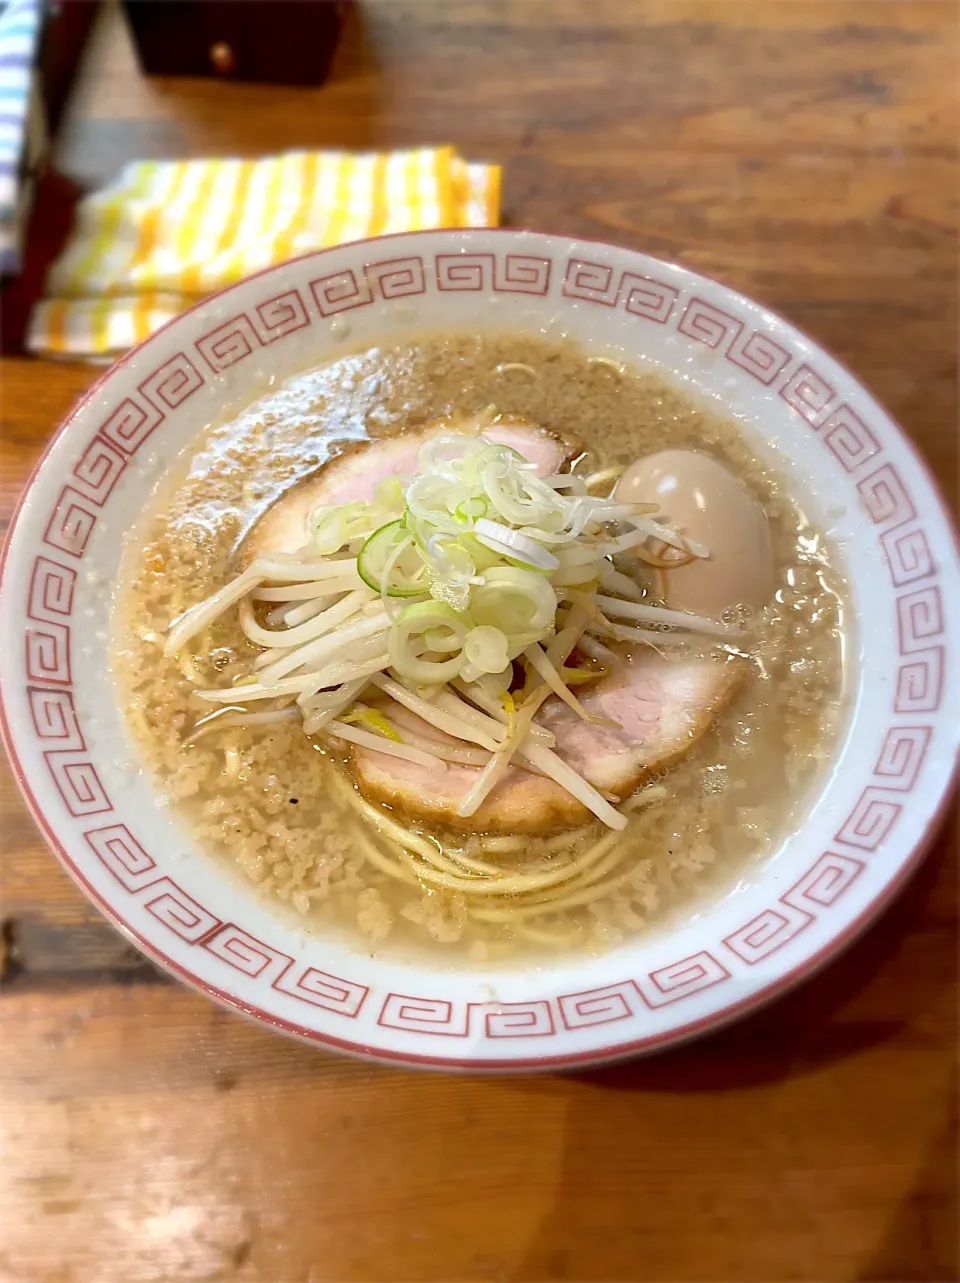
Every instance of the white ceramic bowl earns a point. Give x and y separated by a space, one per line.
861 480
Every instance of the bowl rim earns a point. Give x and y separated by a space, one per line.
616 1050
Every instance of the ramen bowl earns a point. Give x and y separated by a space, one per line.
856 473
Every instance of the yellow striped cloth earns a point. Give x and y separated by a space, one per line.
167 233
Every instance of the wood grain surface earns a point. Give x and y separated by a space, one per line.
803 151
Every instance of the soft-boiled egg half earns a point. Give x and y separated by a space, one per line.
712 507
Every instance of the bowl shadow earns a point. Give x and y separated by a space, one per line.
774 1170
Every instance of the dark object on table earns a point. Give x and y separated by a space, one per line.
40 47
65 33
283 42
44 200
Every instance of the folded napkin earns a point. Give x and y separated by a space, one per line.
167 233
19 120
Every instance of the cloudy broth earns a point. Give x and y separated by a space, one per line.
281 806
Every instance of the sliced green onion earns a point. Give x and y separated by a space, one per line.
511 543
472 508
486 649
389 496
433 499
420 621
382 552
514 600
332 526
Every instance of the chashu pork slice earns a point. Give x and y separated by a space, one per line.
355 475
658 708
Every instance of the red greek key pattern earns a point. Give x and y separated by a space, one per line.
643 296
908 554
122 855
767 932
709 325
242 335
279 316
464 272
640 295
920 682
54 718
919 618
228 343
48 653
71 523
516 274
339 292
51 590
49 601
759 355
180 913
522 274
848 438
393 278
424 1016
78 784
884 497
397 277
824 883
809 394
593 282
98 470
682 979
516 1019
320 989
130 425
870 820
599 1006
901 756
820 887
171 383
244 952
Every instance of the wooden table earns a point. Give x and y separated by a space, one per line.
803 151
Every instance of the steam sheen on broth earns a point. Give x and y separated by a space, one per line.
736 719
